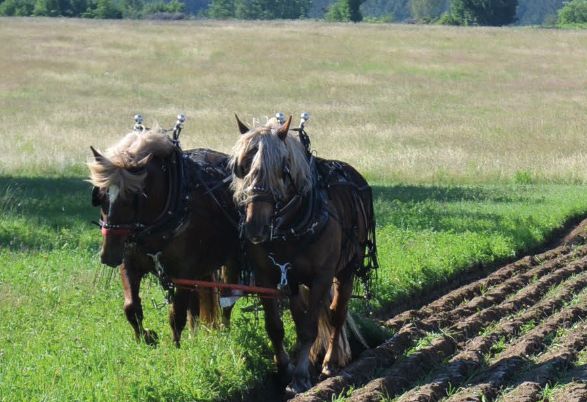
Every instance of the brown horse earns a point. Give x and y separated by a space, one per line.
309 222
167 212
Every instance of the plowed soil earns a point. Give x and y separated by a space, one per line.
519 334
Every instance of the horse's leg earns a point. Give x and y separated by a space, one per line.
229 274
178 313
274 328
306 322
334 358
193 313
131 281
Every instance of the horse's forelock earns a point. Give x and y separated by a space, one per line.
126 154
267 164
104 174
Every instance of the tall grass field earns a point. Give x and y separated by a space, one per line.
473 139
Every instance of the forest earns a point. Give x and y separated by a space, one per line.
516 12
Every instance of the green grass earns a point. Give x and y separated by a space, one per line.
63 334
427 234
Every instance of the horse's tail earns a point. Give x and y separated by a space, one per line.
354 328
325 329
209 310
204 307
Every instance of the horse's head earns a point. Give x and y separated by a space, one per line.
269 167
130 187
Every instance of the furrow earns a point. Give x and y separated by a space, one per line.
458 296
498 294
523 299
394 381
373 361
366 367
470 359
550 366
556 257
515 357
575 391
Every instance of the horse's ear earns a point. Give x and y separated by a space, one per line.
282 131
97 155
241 126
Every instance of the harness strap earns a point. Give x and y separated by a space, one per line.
175 200
210 191
121 232
164 280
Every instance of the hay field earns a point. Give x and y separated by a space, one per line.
402 103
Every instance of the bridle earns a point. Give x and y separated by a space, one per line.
122 229
298 216
137 230
260 192
177 196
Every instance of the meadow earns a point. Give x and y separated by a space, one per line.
473 140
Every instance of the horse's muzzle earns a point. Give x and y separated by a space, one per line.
255 235
258 222
111 261
112 253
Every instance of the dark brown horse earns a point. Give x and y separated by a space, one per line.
309 222
167 212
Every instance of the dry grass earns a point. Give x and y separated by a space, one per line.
402 103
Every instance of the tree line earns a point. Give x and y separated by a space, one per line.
103 9
454 12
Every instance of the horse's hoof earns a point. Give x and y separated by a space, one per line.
285 374
328 370
297 386
289 393
150 337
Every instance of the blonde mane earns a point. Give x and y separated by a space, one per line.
267 163
115 168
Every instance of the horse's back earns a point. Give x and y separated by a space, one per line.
343 182
207 157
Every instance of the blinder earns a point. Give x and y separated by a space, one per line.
238 171
96 201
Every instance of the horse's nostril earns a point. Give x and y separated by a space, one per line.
111 259
255 235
